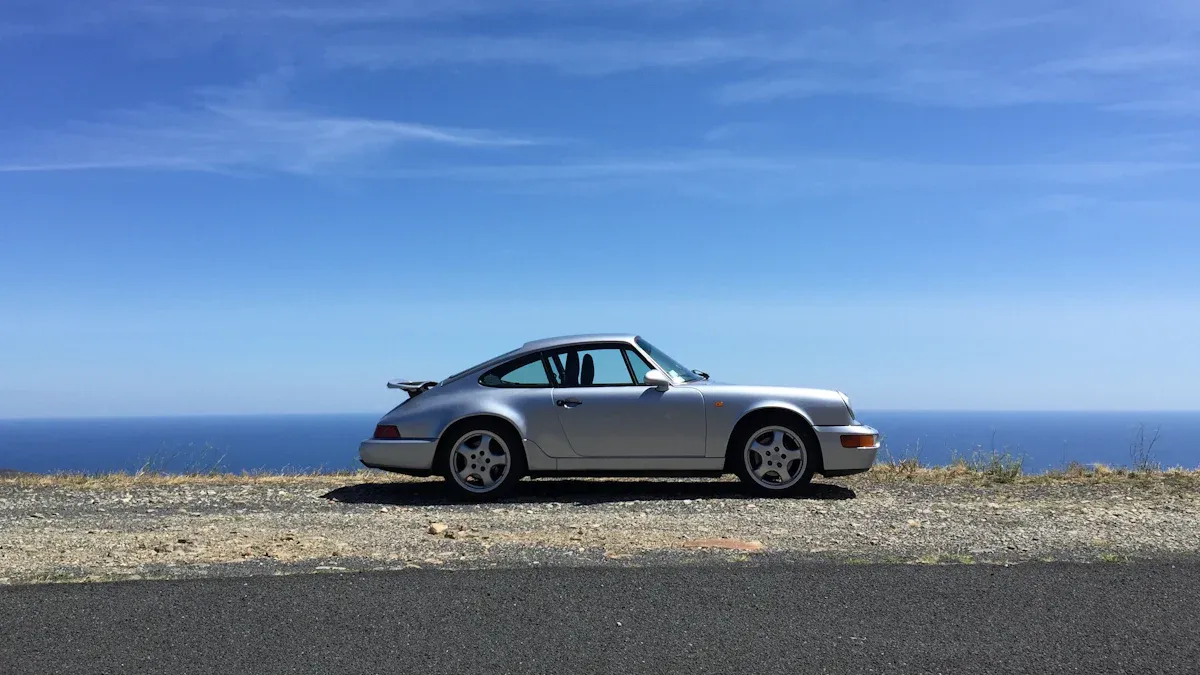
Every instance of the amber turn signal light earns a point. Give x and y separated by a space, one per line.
859 441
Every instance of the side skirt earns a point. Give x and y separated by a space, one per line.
635 473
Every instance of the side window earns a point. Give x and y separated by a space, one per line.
527 371
600 366
607 367
639 365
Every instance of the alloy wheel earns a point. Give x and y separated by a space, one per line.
775 457
480 461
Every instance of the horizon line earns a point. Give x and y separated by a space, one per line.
49 418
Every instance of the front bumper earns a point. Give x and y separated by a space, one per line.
839 461
404 455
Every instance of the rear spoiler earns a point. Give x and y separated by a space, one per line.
413 387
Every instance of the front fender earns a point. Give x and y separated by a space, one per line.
776 405
818 408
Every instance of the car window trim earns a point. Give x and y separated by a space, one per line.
629 366
546 366
561 372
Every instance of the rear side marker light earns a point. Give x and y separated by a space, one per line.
859 441
387 431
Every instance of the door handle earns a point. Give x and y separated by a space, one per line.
568 403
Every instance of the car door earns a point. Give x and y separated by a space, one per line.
523 385
606 410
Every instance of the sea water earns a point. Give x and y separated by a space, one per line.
306 442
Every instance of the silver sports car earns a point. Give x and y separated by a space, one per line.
612 405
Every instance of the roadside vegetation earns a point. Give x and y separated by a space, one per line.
979 465
981 469
1003 465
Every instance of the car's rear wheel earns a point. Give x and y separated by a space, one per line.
776 457
482 460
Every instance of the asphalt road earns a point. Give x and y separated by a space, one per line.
737 618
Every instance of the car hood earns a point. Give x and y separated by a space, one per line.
770 389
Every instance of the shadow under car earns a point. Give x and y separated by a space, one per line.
579 491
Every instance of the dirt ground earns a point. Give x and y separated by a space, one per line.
67 530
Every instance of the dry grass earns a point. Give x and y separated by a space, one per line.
984 470
122 479
1000 470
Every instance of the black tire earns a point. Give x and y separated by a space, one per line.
755 427
448 463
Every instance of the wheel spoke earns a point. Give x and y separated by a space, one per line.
782 471
762 470
466 472
777 439
485 477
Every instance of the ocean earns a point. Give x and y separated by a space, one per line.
305 442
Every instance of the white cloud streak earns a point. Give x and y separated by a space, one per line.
1109 54
575 56
233 130
254 16
1178 103
1102 55
946 87
824 175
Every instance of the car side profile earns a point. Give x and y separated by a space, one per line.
613 405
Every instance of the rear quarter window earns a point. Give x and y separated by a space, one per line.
527 371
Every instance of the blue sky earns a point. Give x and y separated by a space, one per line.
269 206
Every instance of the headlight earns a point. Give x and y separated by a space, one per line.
849 408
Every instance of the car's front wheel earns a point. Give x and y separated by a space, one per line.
482 461
775 457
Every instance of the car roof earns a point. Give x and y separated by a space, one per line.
564 340
538 345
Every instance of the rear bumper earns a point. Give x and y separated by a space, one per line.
409 454
840 461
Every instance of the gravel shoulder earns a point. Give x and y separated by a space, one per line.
180 528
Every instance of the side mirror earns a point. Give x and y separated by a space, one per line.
658 380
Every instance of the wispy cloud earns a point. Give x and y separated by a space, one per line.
795 175
585 56
937 86
1000 194
1109 54
1123 60
253 16
1106 56
239 129
1180 102
805 39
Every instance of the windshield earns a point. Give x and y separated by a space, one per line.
673 368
